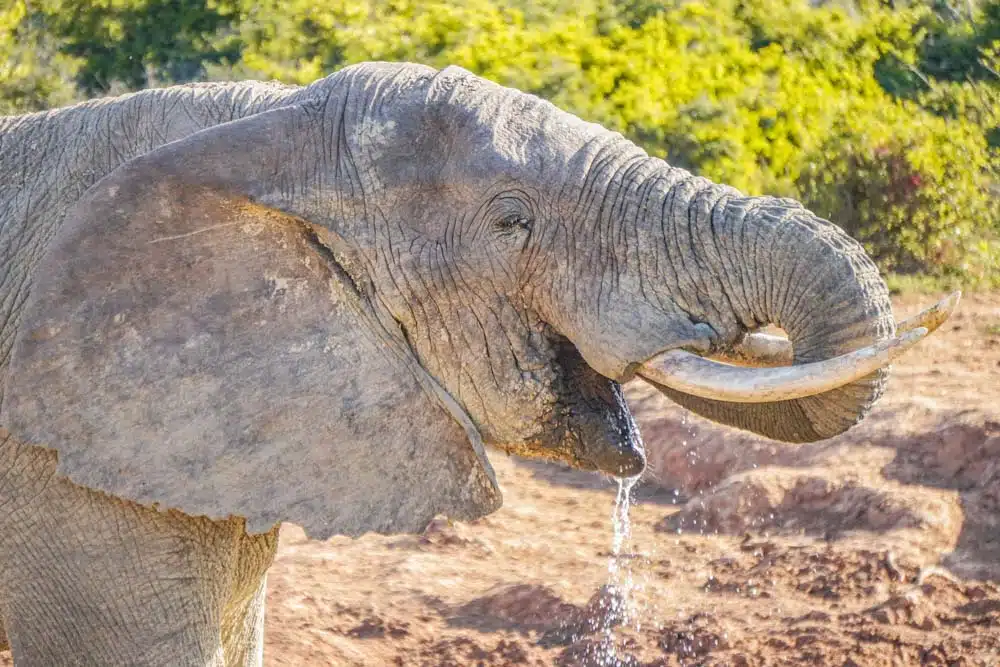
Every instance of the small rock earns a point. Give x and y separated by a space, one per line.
692 643
816 616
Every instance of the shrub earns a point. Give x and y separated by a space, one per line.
917 189
34 74
885 120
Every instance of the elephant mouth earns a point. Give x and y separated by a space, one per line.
590 426
769 373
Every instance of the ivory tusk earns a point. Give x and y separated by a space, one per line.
933 317
691 374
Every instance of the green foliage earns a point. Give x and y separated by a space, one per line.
955 42
923 283
34 74
57 49
138 42
885 120
916 188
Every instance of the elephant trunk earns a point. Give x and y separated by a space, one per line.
791 269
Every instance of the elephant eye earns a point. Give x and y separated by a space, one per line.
513 223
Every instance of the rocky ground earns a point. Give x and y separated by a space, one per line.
880 547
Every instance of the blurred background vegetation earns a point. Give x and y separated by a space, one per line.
881 116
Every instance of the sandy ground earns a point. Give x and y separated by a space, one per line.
881 547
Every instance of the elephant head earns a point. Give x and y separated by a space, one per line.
321 312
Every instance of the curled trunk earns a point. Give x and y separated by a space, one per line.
787 267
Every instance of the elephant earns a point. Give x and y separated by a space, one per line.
228 305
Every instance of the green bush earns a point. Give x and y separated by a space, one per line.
34 74
138 43
955 41
886 121
915 188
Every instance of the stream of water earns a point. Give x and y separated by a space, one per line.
621 587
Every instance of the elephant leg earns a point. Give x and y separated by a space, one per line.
4 644
243 619
87 578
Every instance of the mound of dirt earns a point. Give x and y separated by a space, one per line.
927 474
520 607
816 502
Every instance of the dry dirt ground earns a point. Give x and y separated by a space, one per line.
881 547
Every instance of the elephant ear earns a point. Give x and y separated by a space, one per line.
186 346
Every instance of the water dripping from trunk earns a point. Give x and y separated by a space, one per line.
620 599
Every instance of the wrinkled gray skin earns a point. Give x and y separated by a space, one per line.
456 263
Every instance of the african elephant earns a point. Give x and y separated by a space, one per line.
223 306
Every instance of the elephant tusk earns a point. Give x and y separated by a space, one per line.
932 317
687 372
764 350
